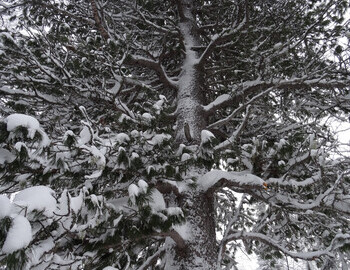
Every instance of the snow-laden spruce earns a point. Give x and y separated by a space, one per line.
174 134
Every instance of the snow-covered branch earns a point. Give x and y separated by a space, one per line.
311 255
218 39
217 179
17 92
284 181
235 134
153 65
152 259
234 113
174 235
326 200
67 13
233 219
262 88
154 25
219 102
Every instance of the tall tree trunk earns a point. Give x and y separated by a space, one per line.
191 86
200 251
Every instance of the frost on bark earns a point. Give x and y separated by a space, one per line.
200 251
191 85
170 134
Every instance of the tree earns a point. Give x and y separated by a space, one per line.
165 134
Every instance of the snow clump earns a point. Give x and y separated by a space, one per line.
16 120
6 156
133 191
39 198
19 235
5 208
206 136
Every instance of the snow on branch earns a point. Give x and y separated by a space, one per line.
217 178
178 239
17 92
154 25
220 101
328 199
311 255
152 259
11 91
67 13
283 181
235 134
263 88
30 123
232 220
151 64
233 114
218 39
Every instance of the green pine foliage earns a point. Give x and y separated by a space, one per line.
105 80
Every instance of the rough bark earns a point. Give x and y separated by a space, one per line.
200 251
191 84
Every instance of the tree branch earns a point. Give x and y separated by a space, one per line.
16 92
152 259
225 144
221 38
180 242
233 114
326 200
263 238
233 219
153 65
264 88
98 22
215 179
68 14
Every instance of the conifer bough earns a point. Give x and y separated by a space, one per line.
152 134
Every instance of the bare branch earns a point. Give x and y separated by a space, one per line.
233 219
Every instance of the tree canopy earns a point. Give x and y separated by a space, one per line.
152 134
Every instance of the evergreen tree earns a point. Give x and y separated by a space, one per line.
152 134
